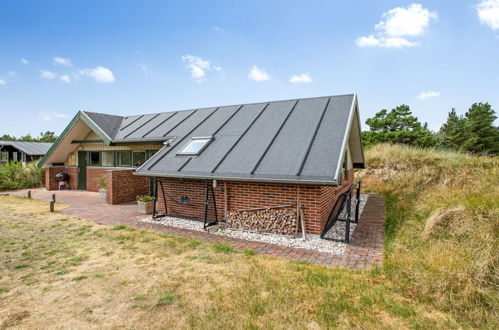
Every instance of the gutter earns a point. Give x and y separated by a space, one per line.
239 178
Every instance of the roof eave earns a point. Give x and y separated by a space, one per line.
238 178
89 122
344 143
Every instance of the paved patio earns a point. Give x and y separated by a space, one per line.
364 251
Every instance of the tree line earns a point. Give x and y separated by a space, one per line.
474 132
48 136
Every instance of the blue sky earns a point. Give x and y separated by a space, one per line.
132 57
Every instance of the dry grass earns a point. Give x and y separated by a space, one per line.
442 227
59 272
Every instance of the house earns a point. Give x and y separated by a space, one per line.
26 152
227 162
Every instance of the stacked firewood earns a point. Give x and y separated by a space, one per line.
281 221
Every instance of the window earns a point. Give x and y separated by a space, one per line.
138 158
195 146
5 156
123 158
94 158
150 153
107 158
15 157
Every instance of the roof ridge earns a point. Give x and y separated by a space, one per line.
226 105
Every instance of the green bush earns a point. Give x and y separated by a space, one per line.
15 176
145 198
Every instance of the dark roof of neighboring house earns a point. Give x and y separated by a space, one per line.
29 148
293 141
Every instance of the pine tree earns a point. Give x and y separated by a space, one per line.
397 126
480 134
452 134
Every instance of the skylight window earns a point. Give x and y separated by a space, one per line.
195 146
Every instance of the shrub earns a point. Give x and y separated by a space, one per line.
102 181
145 198
15 176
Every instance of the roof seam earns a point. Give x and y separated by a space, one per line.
180 122
228 119
182 139
184 164
273 139
305 158
133 121
135 130
239 139
161 123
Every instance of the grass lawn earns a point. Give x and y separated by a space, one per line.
60 272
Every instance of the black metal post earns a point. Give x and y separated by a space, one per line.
206 204
164 197
357 204
214 203
347 221
155 195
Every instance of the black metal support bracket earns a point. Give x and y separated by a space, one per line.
344 200
155 195
207 224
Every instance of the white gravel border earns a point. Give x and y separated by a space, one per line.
311 243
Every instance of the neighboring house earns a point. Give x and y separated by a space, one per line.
244 158
26 152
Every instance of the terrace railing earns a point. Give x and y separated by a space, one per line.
342 212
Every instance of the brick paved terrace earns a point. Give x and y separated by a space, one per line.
364 251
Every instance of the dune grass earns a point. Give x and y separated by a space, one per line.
442 226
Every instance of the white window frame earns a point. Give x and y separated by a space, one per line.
208 139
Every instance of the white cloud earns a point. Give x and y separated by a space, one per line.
65 78
144 67
23 60
99 73
428 94
301 78
396 42
411 21
488 13
370 41
258 74
48 75
198 66
3 82
398 24
62 61
51 116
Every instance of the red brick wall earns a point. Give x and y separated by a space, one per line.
330 195
50 172
194 190
93 174
124 186
317 200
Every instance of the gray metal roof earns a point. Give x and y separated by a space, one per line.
293 141
29 148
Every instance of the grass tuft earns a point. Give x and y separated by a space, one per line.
223 248
79 278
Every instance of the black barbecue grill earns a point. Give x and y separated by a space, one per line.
63 180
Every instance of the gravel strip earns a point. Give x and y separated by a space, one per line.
312 243
338 230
